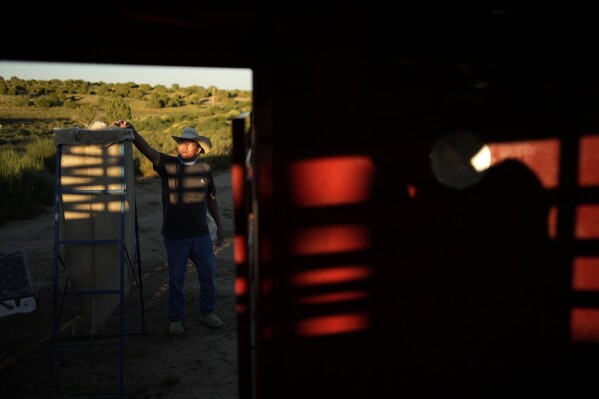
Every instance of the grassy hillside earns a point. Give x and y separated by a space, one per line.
28 120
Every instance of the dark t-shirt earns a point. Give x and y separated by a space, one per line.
185 189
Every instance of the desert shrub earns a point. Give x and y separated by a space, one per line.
43 150
118 109
44 101
25 186
86 114
156 100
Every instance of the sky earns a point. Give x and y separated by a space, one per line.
222 78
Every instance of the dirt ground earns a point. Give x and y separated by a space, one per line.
200 363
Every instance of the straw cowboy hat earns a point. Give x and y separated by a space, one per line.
189 133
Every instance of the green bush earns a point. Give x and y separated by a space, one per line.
44 101
86 114
118 109
44 150
25 186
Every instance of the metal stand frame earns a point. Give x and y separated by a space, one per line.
126 260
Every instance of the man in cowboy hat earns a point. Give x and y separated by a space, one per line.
187 191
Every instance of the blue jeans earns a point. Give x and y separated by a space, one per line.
201 253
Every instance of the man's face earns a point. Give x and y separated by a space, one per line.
188 149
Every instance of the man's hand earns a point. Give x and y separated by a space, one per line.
121 123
